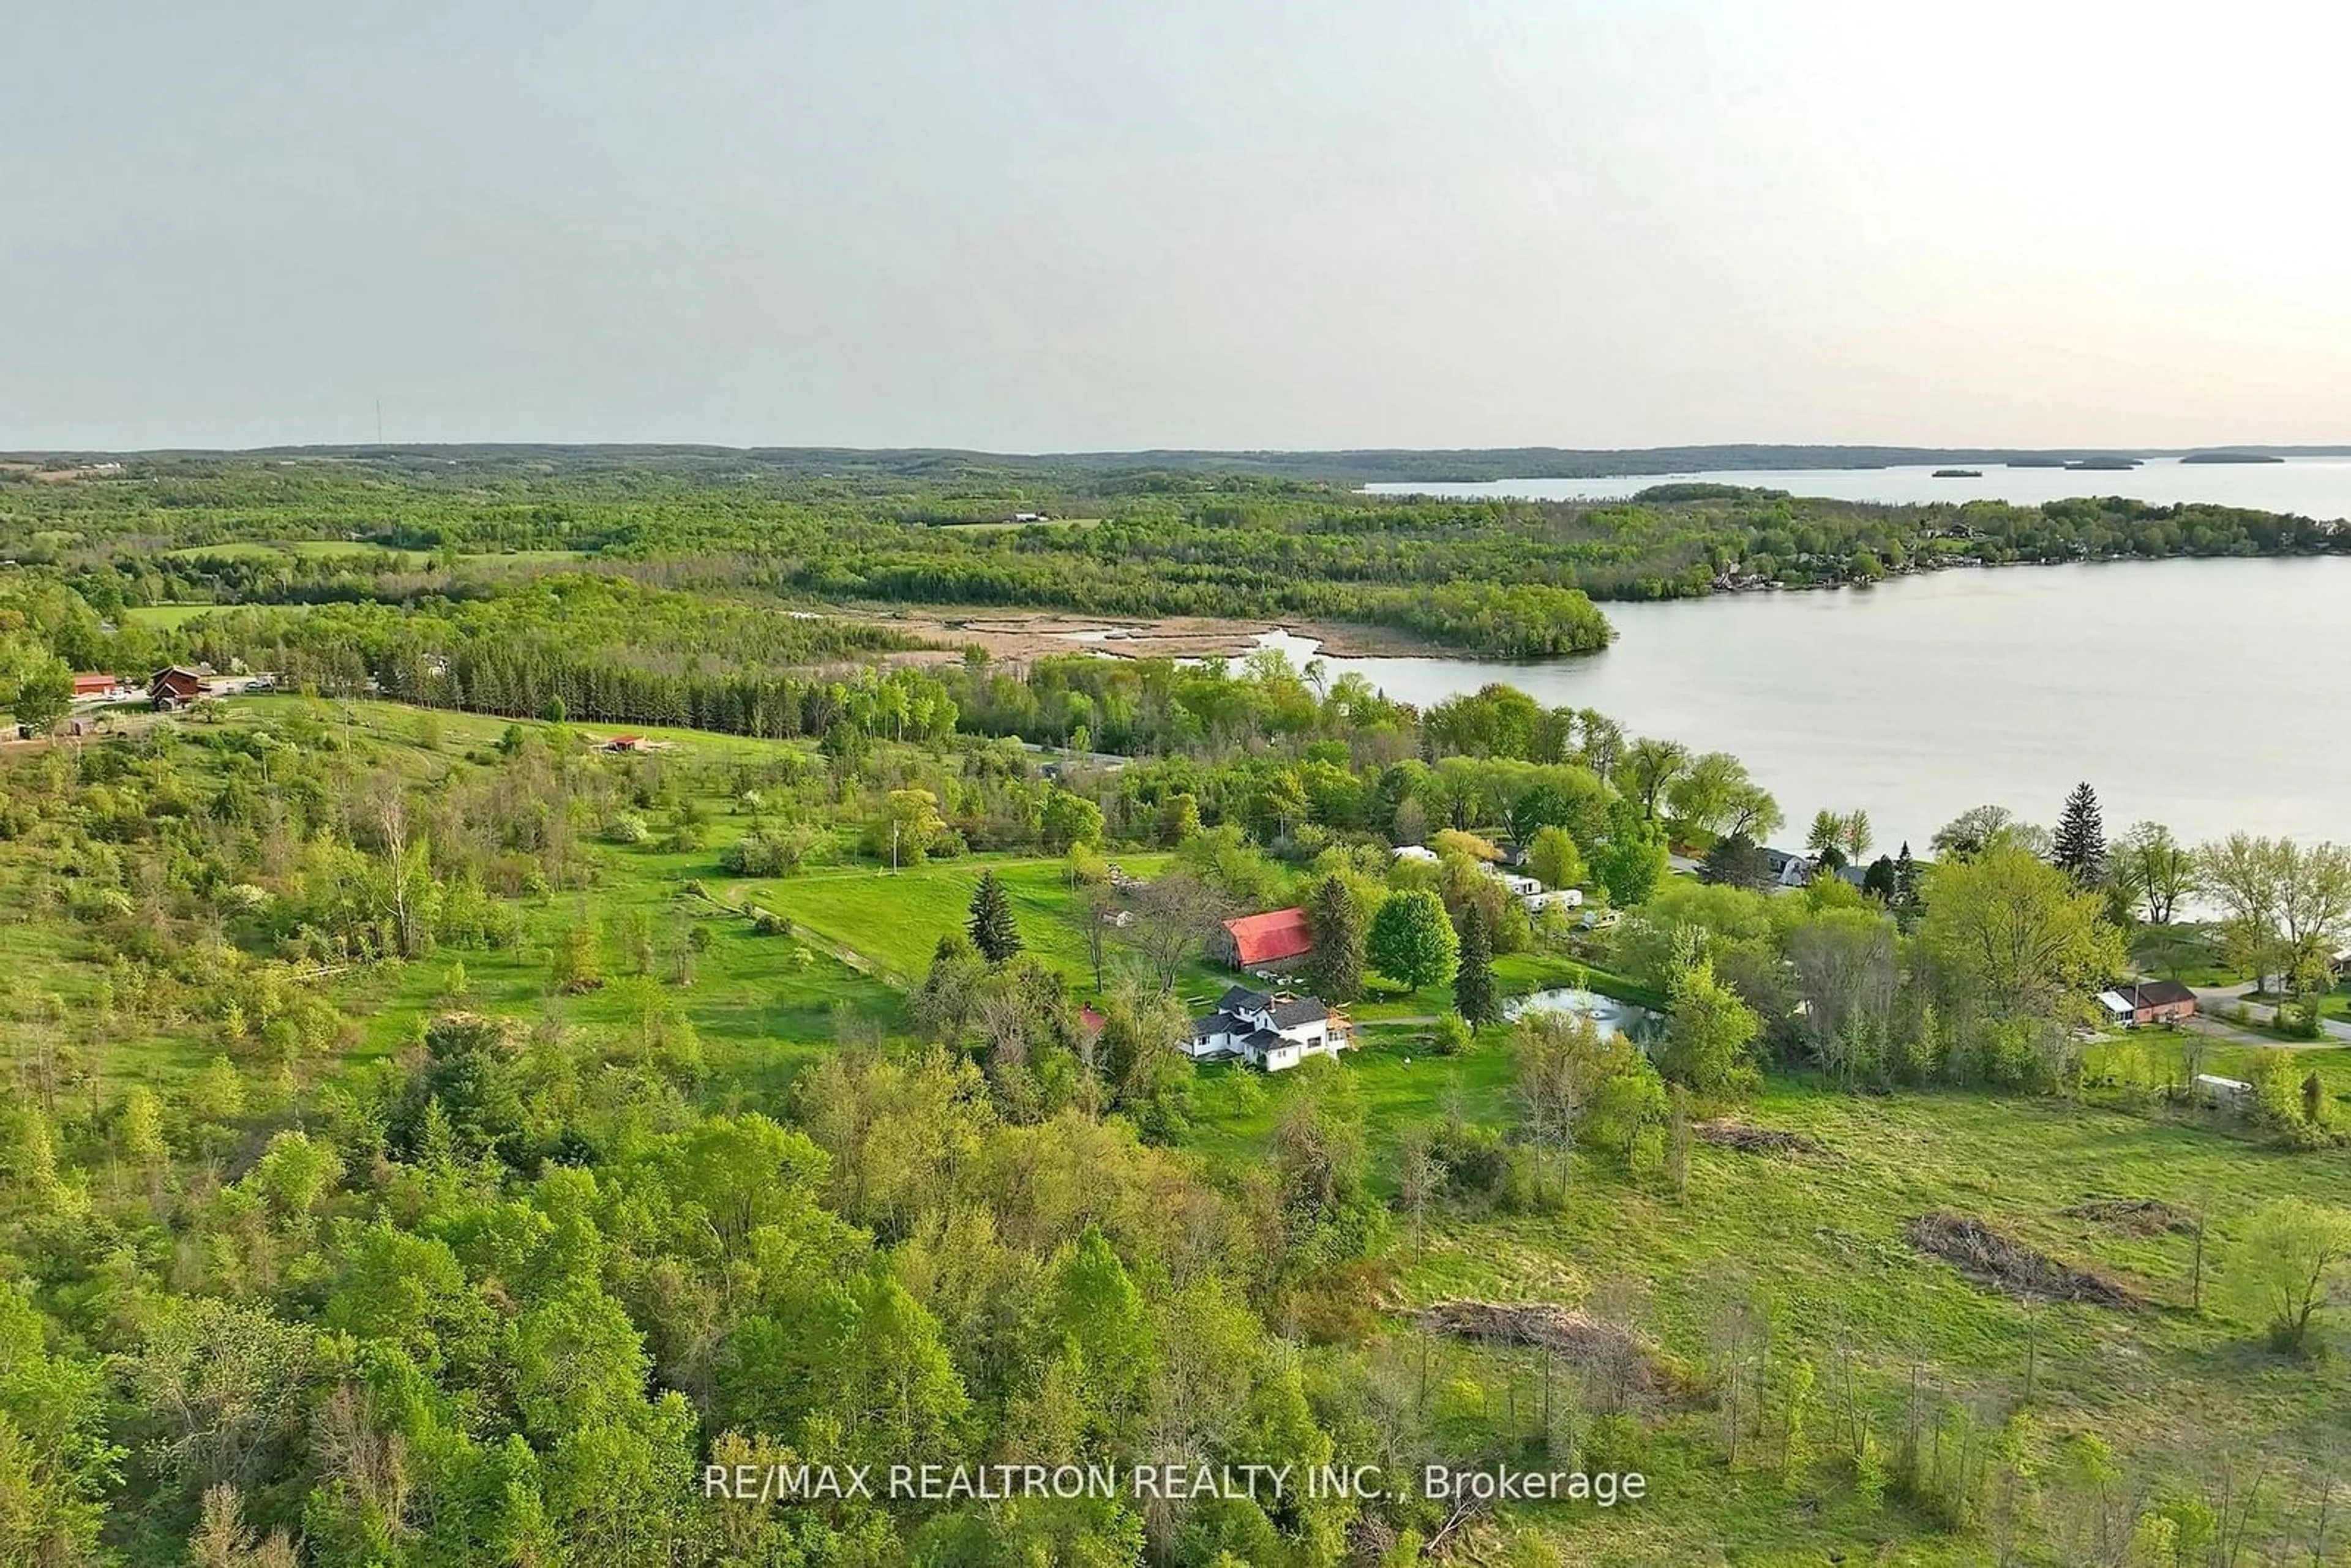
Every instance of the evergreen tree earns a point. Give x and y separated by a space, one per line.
1335 968
1735 862
1906 874
2080 847
1473 979
1882 879
991 925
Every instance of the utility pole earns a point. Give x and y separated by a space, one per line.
379 421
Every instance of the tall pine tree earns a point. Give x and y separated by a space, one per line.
1473 981
991 925
2080 847
1336 967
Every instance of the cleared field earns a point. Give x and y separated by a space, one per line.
895 920
240 549
2172 1389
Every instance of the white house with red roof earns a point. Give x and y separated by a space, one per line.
1269 1031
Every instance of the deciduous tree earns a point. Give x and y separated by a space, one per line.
2015 937
2155 870
1412 940
2289 1266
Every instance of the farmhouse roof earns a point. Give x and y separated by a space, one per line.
1270 937
1298 1010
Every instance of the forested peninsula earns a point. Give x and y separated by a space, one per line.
433 529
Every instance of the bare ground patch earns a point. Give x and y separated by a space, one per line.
1031 634
2000 1263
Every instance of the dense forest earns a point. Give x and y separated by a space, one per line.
440 1128
1510 577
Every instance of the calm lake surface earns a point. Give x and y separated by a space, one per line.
2311 486
2208 694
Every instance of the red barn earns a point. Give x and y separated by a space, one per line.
1257 941
174 687
94 686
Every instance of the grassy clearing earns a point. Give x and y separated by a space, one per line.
336 549
239 549
527 557
896 919
2166 1385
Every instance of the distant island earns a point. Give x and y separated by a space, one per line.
1958 473
1140 468
2232 457
2102 465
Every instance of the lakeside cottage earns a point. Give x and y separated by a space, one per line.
2136 1002
1270 1031
1277 939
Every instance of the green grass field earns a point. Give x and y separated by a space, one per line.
164 617
1823 1236
895 920
239 549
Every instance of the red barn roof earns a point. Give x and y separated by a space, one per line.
1269 939
86 686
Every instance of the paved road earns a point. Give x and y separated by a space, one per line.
2215 1003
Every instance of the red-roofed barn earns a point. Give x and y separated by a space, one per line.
1271 940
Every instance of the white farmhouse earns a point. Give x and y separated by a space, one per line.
1267 1031
1420 852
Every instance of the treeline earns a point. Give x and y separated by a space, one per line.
1514 578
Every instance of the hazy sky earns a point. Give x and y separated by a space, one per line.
1033 226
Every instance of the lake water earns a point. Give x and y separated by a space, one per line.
2208 694
2311 486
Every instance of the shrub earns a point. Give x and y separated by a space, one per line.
769 852
768 923
628 828
1450 1037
